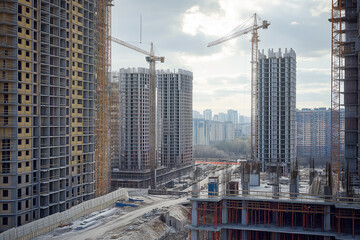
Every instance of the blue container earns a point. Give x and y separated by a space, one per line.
213 188
124 205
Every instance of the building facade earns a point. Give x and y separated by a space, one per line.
175 117
351 83
130 168
134 119
47 98
201 131
276 118
207 114
233 116
313 132
114 120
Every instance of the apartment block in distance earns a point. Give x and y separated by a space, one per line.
276 119
313 132
47 93
175 119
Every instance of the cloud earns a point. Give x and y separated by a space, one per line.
320 7
181 31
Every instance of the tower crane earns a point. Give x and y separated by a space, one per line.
151 59
237 32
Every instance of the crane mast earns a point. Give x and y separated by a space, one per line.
151 59
237 32
254 60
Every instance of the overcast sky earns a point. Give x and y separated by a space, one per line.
181 30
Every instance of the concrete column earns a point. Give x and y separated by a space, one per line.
194 219
194 235
224 212
224 234
274 217
244 215
327 224
194 214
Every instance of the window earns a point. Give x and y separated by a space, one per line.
27 54
6 179
27 164
27 32
5 221
19 9
27 153
19 181
19 18
27 141
27 130
19 85
19 165
19 155
19 120
27 10
19 130
5 193
19 30
27 109
5 206
27 22
27 43
19 142
27 119
27 86
27 98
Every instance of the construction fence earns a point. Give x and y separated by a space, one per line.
47 224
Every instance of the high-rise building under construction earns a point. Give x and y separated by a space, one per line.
175 117
173 130
276 104
47 97
350 46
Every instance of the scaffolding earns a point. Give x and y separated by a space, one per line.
252 219
103 69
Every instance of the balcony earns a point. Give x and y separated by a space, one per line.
8 8
11 20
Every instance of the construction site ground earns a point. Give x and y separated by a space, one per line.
120 223
157 217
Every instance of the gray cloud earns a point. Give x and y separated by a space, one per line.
300 24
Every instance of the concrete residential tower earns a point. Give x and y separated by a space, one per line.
175 119
47 97
276 118
174 127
